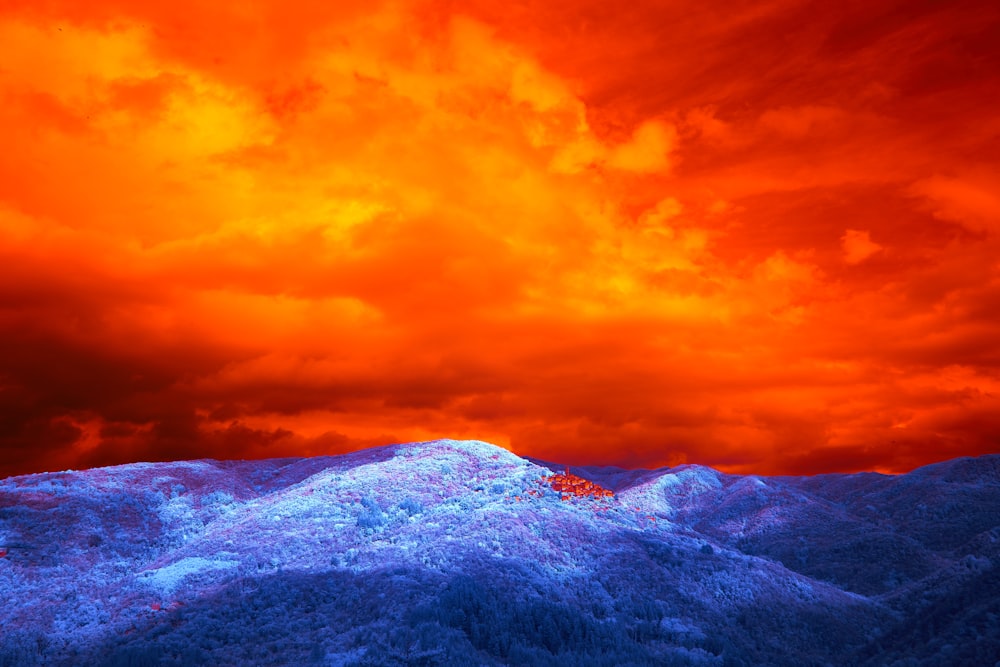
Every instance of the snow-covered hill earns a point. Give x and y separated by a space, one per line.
460 553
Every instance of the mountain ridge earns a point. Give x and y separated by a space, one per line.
167 563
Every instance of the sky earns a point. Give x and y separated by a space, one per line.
761 236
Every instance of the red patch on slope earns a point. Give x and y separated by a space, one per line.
571 486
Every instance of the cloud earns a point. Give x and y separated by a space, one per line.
647 151
798 122
971 202
704 121
858 246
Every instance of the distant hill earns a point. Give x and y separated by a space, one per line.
461 553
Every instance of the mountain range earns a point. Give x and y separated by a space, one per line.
462 553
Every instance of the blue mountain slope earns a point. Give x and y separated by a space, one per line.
460 553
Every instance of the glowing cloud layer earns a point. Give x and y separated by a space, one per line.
762 237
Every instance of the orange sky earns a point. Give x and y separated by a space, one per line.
760 236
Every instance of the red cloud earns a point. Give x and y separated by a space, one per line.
659 235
